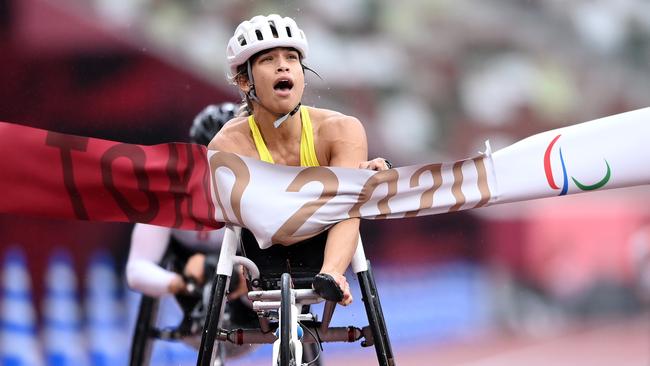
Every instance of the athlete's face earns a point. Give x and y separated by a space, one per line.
279 79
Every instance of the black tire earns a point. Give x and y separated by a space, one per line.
376 318
286 356
211 326
141 345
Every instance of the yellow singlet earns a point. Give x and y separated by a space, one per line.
307 148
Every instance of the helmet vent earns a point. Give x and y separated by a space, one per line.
273 29
262 33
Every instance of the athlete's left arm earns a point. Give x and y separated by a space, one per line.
348 148
348 143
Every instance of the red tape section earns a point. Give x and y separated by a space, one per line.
51 174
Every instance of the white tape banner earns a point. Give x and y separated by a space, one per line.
281 204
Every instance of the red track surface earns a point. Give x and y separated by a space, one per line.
610 343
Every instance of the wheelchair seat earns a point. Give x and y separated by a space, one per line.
302 260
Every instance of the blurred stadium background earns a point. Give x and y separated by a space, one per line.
559 281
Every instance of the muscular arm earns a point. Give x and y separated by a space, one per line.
222 143
348 148
348 143
231 138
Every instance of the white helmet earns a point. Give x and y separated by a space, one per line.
263 33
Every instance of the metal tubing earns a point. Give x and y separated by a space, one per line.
274 295
337 334
328 312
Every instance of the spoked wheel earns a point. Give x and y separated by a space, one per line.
286 355
141 346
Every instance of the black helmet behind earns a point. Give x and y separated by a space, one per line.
209 121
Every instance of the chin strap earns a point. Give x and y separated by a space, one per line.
279 121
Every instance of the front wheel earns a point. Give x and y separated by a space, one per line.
286 356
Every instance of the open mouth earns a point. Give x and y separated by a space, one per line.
283 85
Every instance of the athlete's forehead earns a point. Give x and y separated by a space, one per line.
275 51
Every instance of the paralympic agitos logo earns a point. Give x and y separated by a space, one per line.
565 179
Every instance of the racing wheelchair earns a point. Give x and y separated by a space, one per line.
279 281
193 306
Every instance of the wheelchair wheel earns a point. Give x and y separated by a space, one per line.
286 356
207 351
142 343
376 317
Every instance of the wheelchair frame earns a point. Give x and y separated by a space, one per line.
145 330
283 304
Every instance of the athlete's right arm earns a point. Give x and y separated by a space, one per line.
233 138
143 274
222 141
218 144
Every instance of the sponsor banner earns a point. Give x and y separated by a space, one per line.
281 204
56 175
186 186
288 204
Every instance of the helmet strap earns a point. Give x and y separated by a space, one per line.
251 94
279 121
251 83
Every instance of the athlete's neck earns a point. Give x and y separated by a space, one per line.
289 130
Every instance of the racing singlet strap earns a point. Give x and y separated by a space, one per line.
265 155
307 148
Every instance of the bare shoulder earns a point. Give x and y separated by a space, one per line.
333 125
342 137
233 137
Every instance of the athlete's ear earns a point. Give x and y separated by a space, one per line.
242 82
